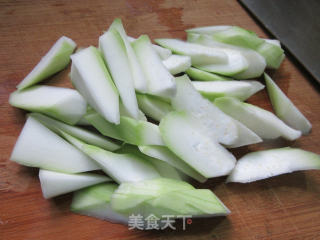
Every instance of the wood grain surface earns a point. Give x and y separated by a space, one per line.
283 207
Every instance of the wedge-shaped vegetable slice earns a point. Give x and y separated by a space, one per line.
120 167
200 55
153 107
181 133
55 183
272 52
54 61
238 89
214 122
262 122
285 109
160 81
268 163
129 130
139 80
177 63
200 75
94 201
114 51
91 78
37 146
209 29
80 133
61 103
164 154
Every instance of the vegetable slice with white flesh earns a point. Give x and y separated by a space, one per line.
164 154
94 201
139 80
153 106
264 123
129 130
177 63
214 122
64 104
200 55
200 75
54 61
55 183
91 78
238 89
37 146
181 133
125 113
285 109
160 81
272 52
80 133
268 163
120 167
114 51
208 29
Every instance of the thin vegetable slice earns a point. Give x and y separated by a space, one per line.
54 61
55 183
64 104
268 163
285 109
272 52
177 63
200 75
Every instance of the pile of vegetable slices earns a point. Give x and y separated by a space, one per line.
147 165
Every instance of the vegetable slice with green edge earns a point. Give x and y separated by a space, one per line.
125 113
91 78
177 63
268 163
254 118
200 75
54 61
180 132
114 51
37 146
285 109
55 183
64 104
273 54
94 201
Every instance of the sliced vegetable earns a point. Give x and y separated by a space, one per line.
208 29
55 183
54 61
254 118
160 81
177 63
273 54
94 201
285 109
64 104
125 113
200 75
91 78
268 163
37 146
182 135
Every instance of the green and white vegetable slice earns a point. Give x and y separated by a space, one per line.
129 130
272 52
268 163
200 55
213 121
177 63
55 183
120 167
64 104
200 75
80 133
153 106
94 201
164 154
238 89
114 51
285 109
209 29
160 81
125 113
181 133
264 123
139 80
91 78
37 146
54 61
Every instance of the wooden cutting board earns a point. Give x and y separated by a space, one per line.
284 207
